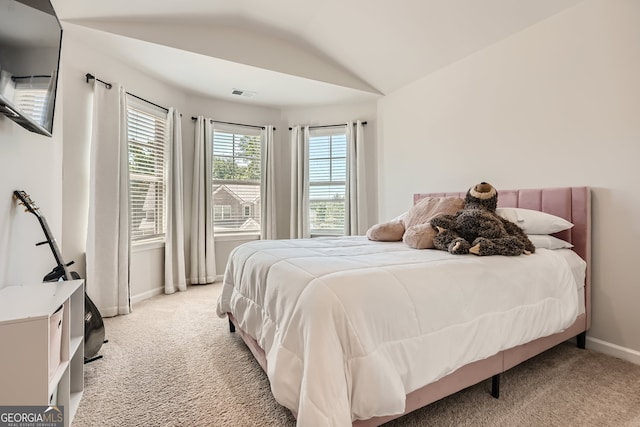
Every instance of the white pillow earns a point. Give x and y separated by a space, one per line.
534 222
545 241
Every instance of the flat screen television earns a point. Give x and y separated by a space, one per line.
30 42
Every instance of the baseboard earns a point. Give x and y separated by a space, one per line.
218 278
614 350
146 295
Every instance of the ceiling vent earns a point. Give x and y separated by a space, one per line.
241 92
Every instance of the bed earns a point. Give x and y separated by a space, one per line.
355 332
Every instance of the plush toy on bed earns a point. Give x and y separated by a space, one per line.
414 227
477 229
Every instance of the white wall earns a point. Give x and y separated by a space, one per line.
147 277
555 105
32 163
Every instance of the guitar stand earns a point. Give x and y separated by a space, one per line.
91 359
94 358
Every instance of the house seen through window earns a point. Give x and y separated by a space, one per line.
236 179
327 180
146 135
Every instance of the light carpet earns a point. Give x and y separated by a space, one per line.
173 362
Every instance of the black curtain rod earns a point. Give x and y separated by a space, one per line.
90 76
109 86
330 126
231 123
145 100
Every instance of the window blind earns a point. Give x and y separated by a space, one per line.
327 181
31 96
236 179
146 134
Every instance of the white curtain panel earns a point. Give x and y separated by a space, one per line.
108 242
203 262
268 187
299 182
356 196
175 278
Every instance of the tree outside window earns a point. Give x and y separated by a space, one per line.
236 181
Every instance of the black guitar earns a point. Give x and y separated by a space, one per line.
93 323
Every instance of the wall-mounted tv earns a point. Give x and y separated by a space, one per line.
30 42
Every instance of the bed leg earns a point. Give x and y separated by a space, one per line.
495 386
232 327
581 340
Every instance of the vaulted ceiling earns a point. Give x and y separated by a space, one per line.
297 52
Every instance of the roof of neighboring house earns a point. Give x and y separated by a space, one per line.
250 224
246 194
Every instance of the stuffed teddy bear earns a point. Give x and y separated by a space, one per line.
414 227
477 229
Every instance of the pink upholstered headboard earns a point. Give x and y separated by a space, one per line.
570 203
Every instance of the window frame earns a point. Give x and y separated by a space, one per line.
160 166
238 130
331 132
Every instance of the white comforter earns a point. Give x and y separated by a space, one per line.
350 326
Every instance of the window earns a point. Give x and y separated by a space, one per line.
221 212
327 178
236 179
146 134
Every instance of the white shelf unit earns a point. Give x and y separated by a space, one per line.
25 313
